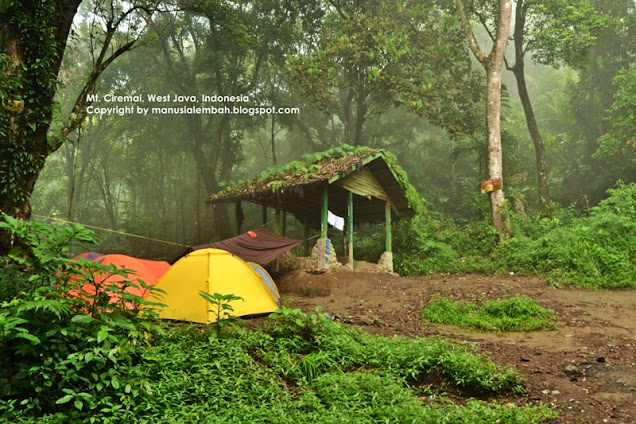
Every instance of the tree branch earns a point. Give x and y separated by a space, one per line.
470 35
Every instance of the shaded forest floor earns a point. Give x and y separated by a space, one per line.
585 368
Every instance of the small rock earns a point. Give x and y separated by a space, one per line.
600 359
572 370
555 392
545 392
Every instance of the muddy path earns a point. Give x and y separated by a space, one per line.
585 368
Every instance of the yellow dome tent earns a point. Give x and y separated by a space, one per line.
213 271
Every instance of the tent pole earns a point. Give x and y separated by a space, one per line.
324 211
350 227
387 213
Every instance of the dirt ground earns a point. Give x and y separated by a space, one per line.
586 368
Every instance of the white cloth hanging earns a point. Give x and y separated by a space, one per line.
335 220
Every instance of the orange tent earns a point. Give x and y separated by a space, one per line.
146 270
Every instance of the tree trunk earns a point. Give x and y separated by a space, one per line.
347 118
539 149
495 157
361 113
273 140
493 63
24 147
531 122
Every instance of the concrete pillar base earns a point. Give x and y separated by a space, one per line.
386 262
323 255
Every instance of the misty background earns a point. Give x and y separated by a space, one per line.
390 75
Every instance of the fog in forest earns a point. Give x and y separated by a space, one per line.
397 76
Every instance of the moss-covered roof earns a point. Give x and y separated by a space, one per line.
311 169
298 182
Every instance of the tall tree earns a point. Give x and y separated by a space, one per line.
375 55
493 63
33 37
554 32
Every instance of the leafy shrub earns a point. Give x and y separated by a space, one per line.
221 309
513 314
68 357
598 251
420 247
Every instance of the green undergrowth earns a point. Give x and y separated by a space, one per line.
512 314
300 367
103 357
597 251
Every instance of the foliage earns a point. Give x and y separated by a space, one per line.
430 243
511 314
221 308
38 256
296 369
620 140
595 251
549 37
67 351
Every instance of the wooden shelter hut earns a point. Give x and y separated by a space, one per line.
360 184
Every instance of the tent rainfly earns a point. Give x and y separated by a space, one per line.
146 270
360 184
259 245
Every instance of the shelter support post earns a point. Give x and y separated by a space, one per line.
279 217
306 234
264 213
284 223
350 228
324 212
278 226
387 214
323 254
238 215
386 260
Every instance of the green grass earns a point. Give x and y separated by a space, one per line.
512 314
300 368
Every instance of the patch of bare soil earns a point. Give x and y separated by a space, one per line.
586 368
